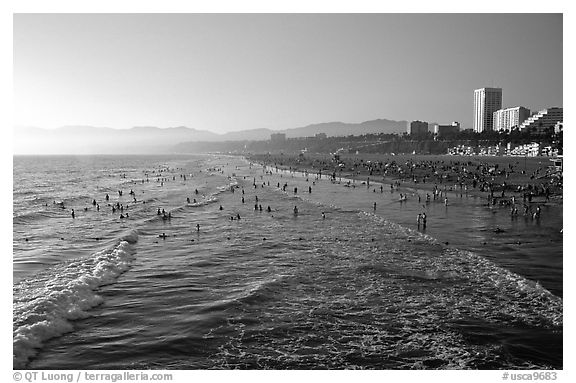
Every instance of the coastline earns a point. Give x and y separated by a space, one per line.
528 180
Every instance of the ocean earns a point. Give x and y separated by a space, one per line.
215 282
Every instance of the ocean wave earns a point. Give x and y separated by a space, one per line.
35 216
45 305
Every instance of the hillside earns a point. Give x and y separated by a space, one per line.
149 139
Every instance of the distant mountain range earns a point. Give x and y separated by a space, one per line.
148 139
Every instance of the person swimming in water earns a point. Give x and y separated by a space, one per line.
295 210
73 214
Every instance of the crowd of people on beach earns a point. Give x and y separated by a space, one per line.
498 184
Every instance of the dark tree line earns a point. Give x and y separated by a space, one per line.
380 143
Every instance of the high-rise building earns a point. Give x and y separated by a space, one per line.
509 118
486 102
417 127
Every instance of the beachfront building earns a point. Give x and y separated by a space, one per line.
491 150
509 118
443 130
461 150
417 127
543 120
486 102
278 137
526 150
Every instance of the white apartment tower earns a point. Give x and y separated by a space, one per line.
509 118
486 102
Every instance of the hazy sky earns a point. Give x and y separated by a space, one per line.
226 72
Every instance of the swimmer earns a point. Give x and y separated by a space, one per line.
197 227
295 210
268 209
221 208
73 215
323 215
163 236
374 206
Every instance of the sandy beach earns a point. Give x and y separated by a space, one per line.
497 179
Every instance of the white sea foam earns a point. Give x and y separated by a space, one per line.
45 305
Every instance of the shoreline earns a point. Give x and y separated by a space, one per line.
498 180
